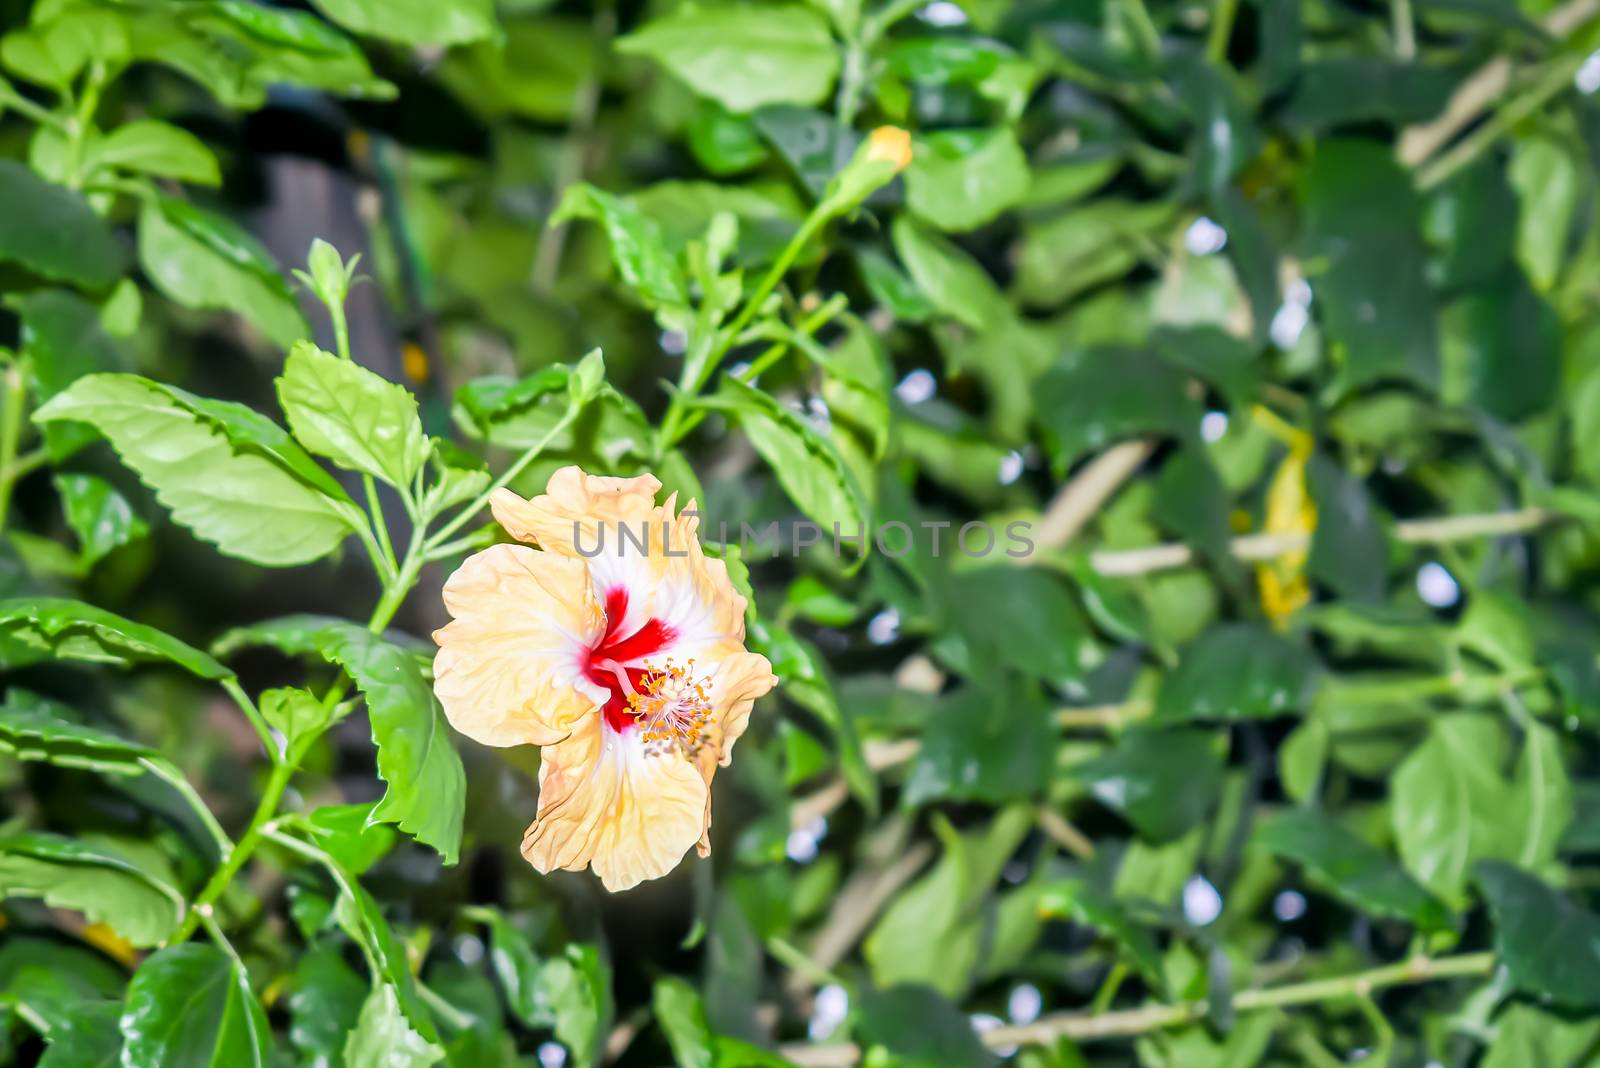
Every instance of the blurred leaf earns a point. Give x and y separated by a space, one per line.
1015 617
415 22
577 989
1337 91
63 341
993 744
360 421
53 232
1549 187
1164 781
1452 807
1550 947
1086 245
920 1028
950 279
743 57
102 518
149 146
325 998
1083 904
101 884
1349 551
933 932
637 249
1360 220
1350 868
1502 348
806 464
961 179
383 1039
31 729
204 260
1094 397
73 630
426 783
682 1016
1238 671
724 143
226 473
192 1005
1525 1034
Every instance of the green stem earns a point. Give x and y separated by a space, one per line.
10 436
1556 80
795 959
341 341
1143 27
1108 989
220 879
168 773
23 106
81 121
253 714
460 519
1405 30
1221 31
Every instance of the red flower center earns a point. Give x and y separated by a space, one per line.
619 649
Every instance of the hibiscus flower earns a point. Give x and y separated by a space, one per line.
617 647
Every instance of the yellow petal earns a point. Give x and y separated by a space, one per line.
604 802
740 679
509 666
573 506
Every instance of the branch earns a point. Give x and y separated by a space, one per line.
1080 499
1270 546
1089 1027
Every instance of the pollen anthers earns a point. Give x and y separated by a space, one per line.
672 707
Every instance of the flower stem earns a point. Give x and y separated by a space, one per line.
440 536
220 879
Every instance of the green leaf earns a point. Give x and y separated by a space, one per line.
204 260
1093 397
86 1037
1092 242
415 22
1361 223
1164 781
1238 671
1081 903
516 965
806 464
1349 552
638 250
577 989
961 179
1549 946
192 1005
933 932
356 418
743 57
1549 185
1352 869
325 999
56 47
102 885
348 834
953 281
226 473
63 341
101 517
53 232
427 786
921 1029
149 146
983 743
1013 616
73 630
1336 91
297 714
1452 806
1502 348
360 918
682 1015
383 1039
1525 1034
31 729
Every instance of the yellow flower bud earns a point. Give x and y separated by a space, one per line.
890 144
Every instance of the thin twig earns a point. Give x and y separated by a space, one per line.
1088 1027
1478 93
1253 547
859 903
1082 498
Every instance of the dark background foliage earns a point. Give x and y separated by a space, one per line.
1273 320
